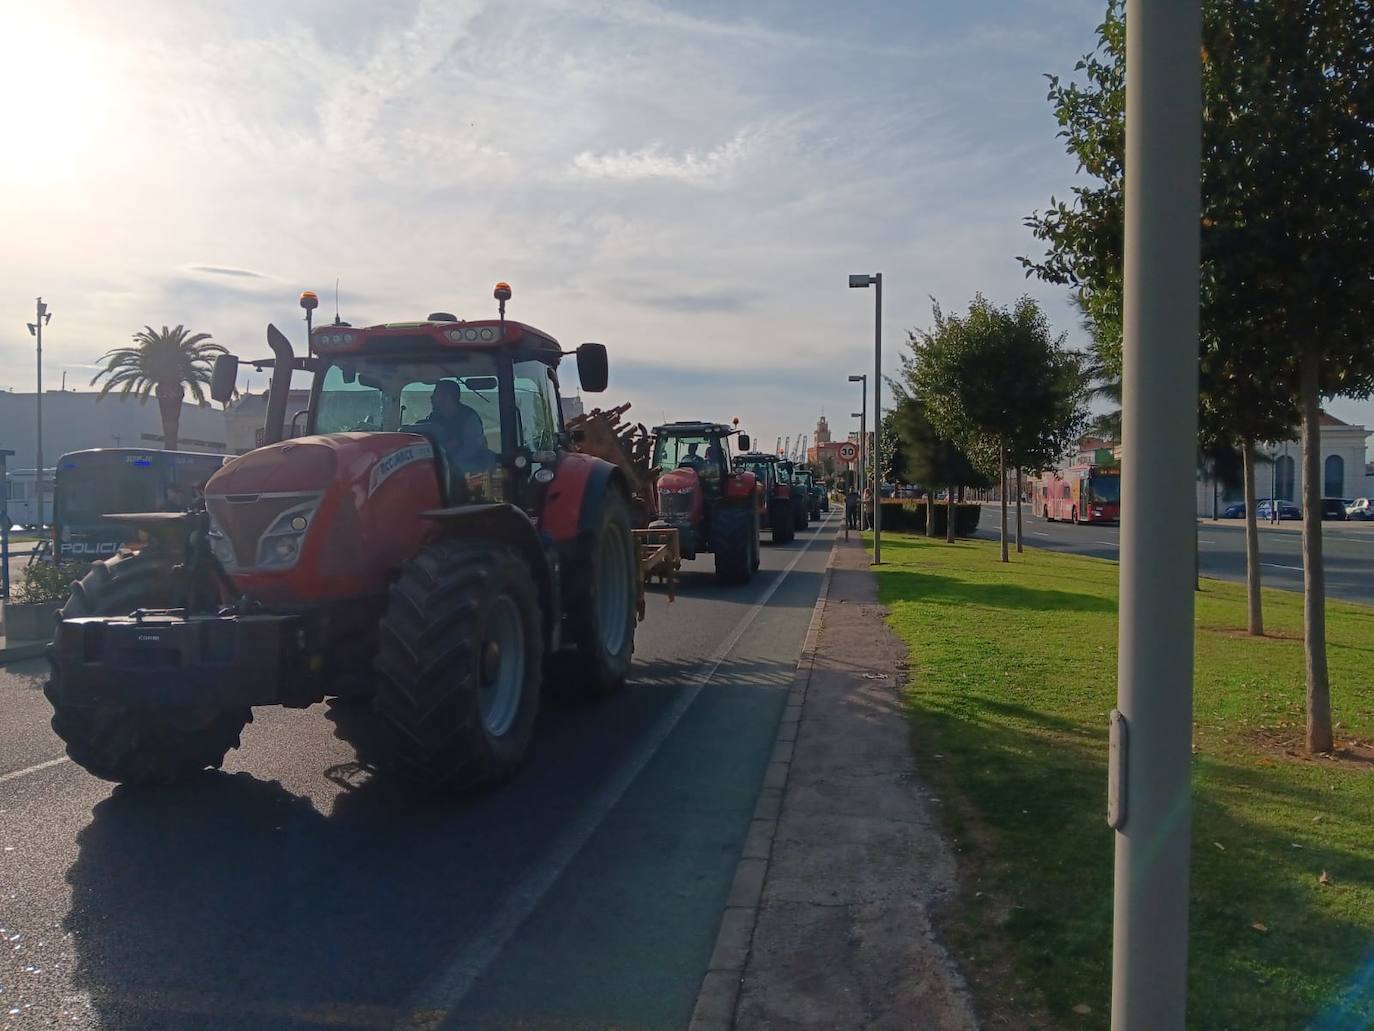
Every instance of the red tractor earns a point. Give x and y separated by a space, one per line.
779 516
714 507
429 545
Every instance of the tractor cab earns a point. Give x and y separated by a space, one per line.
778 513
702 447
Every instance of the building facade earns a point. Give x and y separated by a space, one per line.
1345 470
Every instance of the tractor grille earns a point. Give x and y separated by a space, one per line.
674 507
244 518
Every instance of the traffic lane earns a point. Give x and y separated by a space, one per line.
341 898
1348 559
25 735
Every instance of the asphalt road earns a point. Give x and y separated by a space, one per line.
1347 550
294 890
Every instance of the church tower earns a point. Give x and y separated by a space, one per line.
822 431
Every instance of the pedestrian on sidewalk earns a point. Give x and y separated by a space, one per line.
851 509
868 508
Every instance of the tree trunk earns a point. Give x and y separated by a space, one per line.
1019 547
930 511
1002 480
949 514
1313 576
1252 557
169 407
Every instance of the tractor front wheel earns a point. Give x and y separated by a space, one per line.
732 537
136 745
602 592
459 664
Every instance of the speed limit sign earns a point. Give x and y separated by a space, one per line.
848 452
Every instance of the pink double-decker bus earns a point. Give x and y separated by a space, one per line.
1080 494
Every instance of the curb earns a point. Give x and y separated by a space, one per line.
24 650
720 988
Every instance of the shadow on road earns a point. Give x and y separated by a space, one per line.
231 902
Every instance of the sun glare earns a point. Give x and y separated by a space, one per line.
54 100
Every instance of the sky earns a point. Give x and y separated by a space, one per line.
688 183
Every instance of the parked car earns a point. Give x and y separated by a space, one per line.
1334 508
1360 508
1235 510
1287 510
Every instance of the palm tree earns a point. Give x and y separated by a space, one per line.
164 364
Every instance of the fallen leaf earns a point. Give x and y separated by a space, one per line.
1082 1009
1324 878
1219 845
1317 818
1260 927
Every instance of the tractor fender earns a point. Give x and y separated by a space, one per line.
572 502
740 487
508 526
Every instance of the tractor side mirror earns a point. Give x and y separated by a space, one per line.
224 378
744 442
592 367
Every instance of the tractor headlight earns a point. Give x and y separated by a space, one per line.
222 548
280 546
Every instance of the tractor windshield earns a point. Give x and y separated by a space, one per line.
758 468
701 452
376 393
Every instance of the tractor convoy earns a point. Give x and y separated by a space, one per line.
426 542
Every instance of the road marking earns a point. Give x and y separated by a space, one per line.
1206 540
1039 533
1112 543
1275 565
16 774
446 990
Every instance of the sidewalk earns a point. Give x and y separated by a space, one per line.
829 921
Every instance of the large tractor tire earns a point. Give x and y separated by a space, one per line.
784 529
801 520
732 542
602 592
460 663
756 561
137 745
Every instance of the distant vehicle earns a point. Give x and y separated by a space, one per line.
1235 510
1334 508
1360 508
1287 510
1080 494
21 502
96 483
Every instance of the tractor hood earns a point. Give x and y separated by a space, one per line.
678 481
315 518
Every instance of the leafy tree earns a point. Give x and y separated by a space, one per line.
1003 388
928 458
164 364
1288 148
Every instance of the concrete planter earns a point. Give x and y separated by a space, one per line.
31 622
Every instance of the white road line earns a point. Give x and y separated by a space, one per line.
446 990
1112 543
1039 533
16 774
1206 540
1275 565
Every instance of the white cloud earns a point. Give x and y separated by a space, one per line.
655 162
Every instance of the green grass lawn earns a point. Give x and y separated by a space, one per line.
1013 673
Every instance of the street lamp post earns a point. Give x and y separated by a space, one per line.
42 317
863 282
862 416
1149 801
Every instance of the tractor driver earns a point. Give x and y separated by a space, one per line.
457 428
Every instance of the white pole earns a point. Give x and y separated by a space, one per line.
1149 791
877 481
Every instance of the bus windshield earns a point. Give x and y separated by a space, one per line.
1105 488
87 494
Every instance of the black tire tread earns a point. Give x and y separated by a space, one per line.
123 744
731 536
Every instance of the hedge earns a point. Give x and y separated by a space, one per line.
910 517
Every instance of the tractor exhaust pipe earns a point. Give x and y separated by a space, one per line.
274 425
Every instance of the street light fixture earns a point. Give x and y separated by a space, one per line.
862 416
863 282
41 319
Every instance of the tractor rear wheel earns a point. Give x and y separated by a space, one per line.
459 664
602 592
783 527
754 546
137 745
732 535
